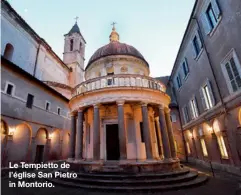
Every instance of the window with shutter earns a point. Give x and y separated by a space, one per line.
207 96
193 107
211 16
233 74
185 68
185 114
197 44
178 80
203 99
216 8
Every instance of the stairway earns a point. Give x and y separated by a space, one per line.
134 182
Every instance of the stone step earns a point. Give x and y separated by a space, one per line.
195 182
121 175
133 182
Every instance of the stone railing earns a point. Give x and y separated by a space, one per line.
119 80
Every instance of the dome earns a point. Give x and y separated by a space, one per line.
115 48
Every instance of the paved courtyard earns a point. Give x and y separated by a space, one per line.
220 185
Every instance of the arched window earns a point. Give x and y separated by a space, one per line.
71 44
202 141
80 45
8 52
221 143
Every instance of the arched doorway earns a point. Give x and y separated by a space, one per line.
40 145
20 143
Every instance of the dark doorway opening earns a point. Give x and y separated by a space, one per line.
39 157
112 142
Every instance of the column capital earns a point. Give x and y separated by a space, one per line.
144 104
97 105
72 114
167 110
161 107
80 109
120 102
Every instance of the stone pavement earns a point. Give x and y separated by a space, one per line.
215 186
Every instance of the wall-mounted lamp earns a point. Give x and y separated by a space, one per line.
190 134
50 135
11 131
210 129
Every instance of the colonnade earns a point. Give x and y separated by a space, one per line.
76 134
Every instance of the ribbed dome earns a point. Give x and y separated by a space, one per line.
115 48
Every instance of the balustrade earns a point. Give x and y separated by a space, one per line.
118 81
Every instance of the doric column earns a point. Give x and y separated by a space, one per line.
72 136
122 130
146 131
79 138
158 136
96 139
170 133
164 134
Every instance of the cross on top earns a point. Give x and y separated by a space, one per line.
113 24
76 19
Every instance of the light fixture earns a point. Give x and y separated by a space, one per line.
190 134
11 131
50 135
210 129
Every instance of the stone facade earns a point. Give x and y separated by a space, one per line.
201 79
25 129
121 116
35 117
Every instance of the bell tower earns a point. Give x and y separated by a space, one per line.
74 53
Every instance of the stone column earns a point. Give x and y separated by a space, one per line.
122 130
146 131
96 138
170 133
158 135
164 134
79 138
72 137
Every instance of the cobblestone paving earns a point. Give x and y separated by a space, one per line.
215 186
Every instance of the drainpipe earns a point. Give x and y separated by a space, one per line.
36 60
211 66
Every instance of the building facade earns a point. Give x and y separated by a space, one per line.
35 90
206 81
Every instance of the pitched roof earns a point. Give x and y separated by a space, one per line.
75 29
32 79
